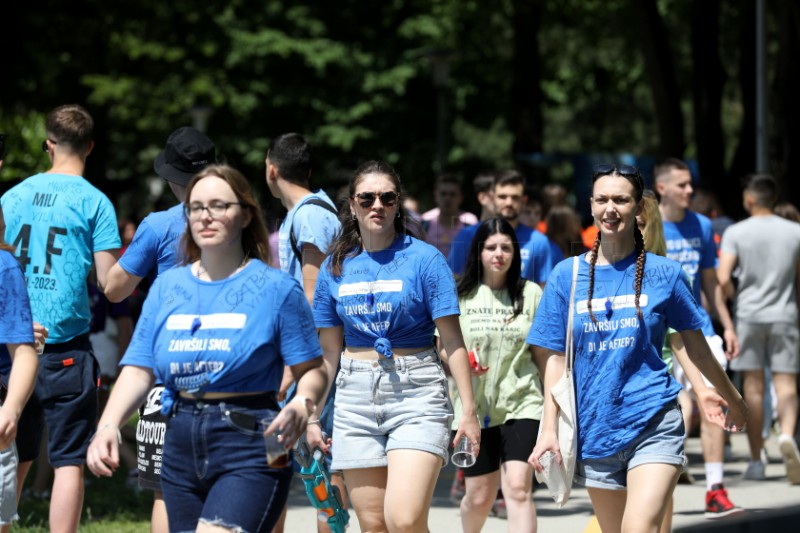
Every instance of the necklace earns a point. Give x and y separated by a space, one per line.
610 299
197 323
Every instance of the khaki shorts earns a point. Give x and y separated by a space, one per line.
773 346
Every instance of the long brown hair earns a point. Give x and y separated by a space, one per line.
348 240
635 179
255 238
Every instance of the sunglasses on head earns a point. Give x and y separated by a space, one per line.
622 170
367 199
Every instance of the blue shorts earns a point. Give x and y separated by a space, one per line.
390 404
66 388
214 466
661 441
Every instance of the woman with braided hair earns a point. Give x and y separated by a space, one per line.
630 429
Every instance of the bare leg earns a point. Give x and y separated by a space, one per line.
609 507
367 490
666 524
650 488
411 480
66 502
753 385
159 522
517 480
478 500
786 388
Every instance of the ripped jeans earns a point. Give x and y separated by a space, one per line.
215 467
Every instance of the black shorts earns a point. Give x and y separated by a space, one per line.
66 387
29 430
150 440
512 441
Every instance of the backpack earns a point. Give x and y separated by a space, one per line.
292 240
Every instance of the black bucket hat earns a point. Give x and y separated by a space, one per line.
187 152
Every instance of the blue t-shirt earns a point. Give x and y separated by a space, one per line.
538 256
690 242
231 335
16 324
621 382
387 299
56 222
312 224
154 248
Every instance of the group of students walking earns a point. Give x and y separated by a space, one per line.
351 343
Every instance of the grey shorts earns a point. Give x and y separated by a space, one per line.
8 485
390 404
773 346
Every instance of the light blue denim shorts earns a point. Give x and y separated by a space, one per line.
661 442
8 485
390 404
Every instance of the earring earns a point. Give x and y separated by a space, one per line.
353 215
398 213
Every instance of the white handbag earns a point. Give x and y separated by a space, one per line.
558 478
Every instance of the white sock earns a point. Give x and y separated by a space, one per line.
713 474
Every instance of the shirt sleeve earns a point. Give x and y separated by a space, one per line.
549 326
325 315
315 225
682 310
542 261
141 256
728 244
459 249
708 257
441 297
16 322
141 349
296 336
106 233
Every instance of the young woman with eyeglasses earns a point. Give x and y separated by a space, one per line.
497 309
381 293
630 428
218 332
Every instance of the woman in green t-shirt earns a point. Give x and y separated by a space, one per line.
497 307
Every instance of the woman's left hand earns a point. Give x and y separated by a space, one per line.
470 428
737 416
290 424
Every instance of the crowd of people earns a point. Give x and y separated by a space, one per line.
384 336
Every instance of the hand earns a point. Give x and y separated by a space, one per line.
286 382
737 416
8 430
470 428
731 343
478 371
102 457
315 439
40 334
547 441
291 422
712 406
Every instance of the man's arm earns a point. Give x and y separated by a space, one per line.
716 301
727 262
119 283
103 261
312 260
797 286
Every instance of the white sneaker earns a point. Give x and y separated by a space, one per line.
791 457
755 470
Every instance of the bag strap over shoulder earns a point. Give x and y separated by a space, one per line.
292 239
569 350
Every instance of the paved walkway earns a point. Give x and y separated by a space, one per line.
758 498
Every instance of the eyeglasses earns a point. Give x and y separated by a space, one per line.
215 209
46 148
367 199
622 170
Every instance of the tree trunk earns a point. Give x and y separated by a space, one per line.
786 111
661 75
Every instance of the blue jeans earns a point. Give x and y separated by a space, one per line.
215 469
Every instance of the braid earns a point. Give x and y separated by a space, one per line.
347 242
592 261
641 256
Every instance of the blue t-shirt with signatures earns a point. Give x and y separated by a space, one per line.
690 242
154 248
231 335
311 224
16 324
56 222
621 382
389 298
537 254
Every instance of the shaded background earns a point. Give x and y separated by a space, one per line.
456 85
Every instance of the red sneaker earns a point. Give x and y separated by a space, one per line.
718 504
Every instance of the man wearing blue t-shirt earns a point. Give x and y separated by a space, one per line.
154 250
690 242
58 225
304 239
537 254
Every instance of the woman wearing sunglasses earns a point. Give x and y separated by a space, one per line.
381 293
217 333
630 428
497 308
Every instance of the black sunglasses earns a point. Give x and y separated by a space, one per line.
605 169
367 199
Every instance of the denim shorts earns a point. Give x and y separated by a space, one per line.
661 441
214 467
8 485
390 404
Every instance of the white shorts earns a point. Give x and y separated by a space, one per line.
715 343
8 485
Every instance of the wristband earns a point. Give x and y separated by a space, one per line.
314 423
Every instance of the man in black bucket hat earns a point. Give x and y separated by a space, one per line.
153 250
